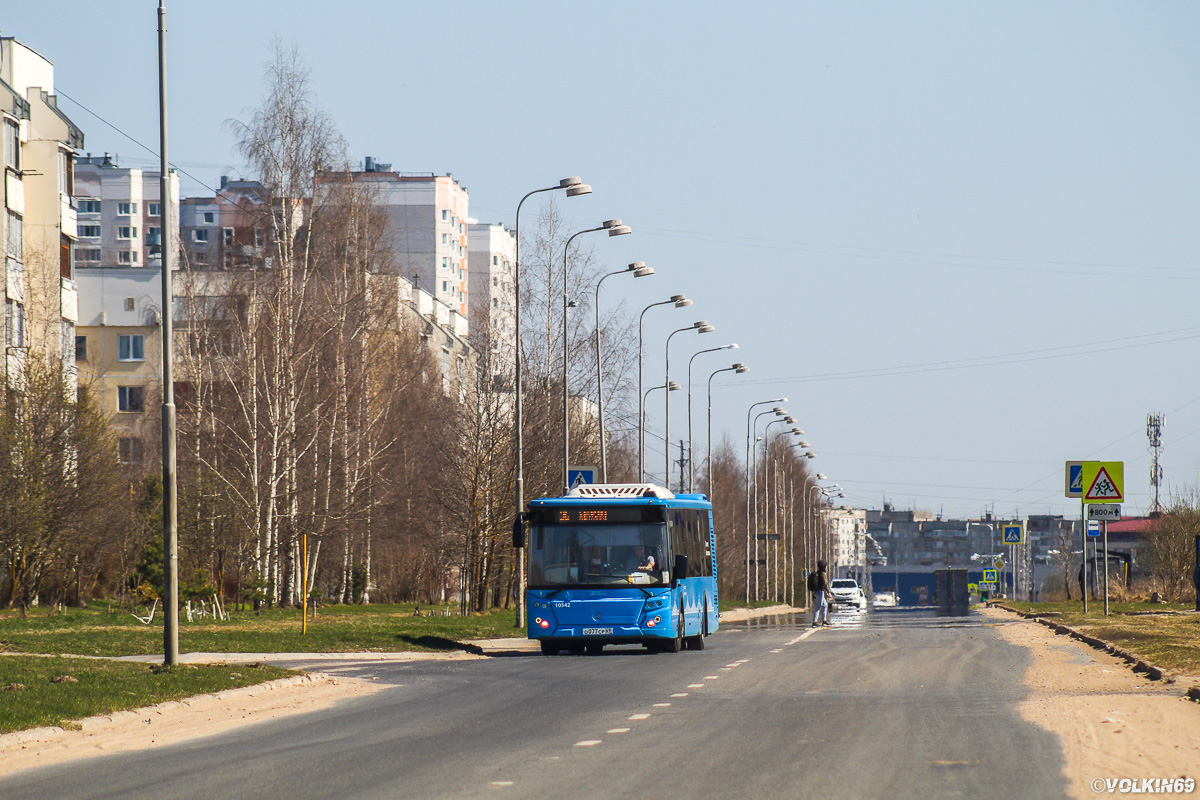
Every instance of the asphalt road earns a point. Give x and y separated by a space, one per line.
892 704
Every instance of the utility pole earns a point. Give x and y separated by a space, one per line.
170 529
682 466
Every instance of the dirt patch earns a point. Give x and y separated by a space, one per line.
1112 722
168 723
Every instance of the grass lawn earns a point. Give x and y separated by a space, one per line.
98 631
1172 641
37 691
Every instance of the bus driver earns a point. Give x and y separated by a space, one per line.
642 561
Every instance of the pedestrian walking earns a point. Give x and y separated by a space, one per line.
818 584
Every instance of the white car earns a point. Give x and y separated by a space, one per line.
846 592
885 598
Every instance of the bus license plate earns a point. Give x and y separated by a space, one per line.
597 631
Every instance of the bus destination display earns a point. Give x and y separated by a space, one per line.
605 515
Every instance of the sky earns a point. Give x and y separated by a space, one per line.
960 238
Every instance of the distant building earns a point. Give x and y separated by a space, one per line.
491 256
230 230
40 226
120 214
427 227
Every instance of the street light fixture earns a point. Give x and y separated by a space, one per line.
779 412
679 301
639 270
737 369
691 448
700 326
574 188
614 228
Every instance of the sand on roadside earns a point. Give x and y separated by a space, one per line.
1112 722
176 721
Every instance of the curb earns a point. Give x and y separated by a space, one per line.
36 734
1135 662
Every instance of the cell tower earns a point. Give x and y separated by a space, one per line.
1154 424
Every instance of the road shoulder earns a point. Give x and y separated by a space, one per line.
177 721
1111 722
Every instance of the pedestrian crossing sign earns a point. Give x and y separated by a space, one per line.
1074 479
989 576
1012 534
1103 481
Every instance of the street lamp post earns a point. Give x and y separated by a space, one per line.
614 228
670 386
738 369
769 507
700 326
691 448
574 188
779 412
639 270
746 468
679 301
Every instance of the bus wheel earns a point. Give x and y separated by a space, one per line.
549 648
697 642
676 644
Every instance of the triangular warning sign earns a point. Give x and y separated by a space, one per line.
1103 488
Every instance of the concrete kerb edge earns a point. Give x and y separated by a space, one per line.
1135 662
37 734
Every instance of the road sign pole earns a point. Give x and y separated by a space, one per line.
1104 531
1083 585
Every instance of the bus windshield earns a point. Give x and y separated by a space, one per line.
598 555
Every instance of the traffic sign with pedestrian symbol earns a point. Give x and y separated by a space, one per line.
989 576
577 476
1103 481
1012 534
1074 479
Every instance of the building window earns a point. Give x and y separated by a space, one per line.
14 241
126 232
495 261
131 398
12 146
90 255
89 207
227 233
14 323
199 236
153 234
445 215
127 257
89 231
126 209
260 237
445 286
131 347
129 451
209 218
154 209
129 304
81 348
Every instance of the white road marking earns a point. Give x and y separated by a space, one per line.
619 730
501 783
662 705
711 677
743 660
695 685
680 694
588 743
640 716
802 636
777 651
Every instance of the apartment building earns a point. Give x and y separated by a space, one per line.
427 227
120 213
40 142
491 259
117 351
229 230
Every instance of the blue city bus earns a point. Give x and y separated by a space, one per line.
620 564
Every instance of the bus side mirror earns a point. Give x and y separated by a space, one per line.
519 531
680 570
